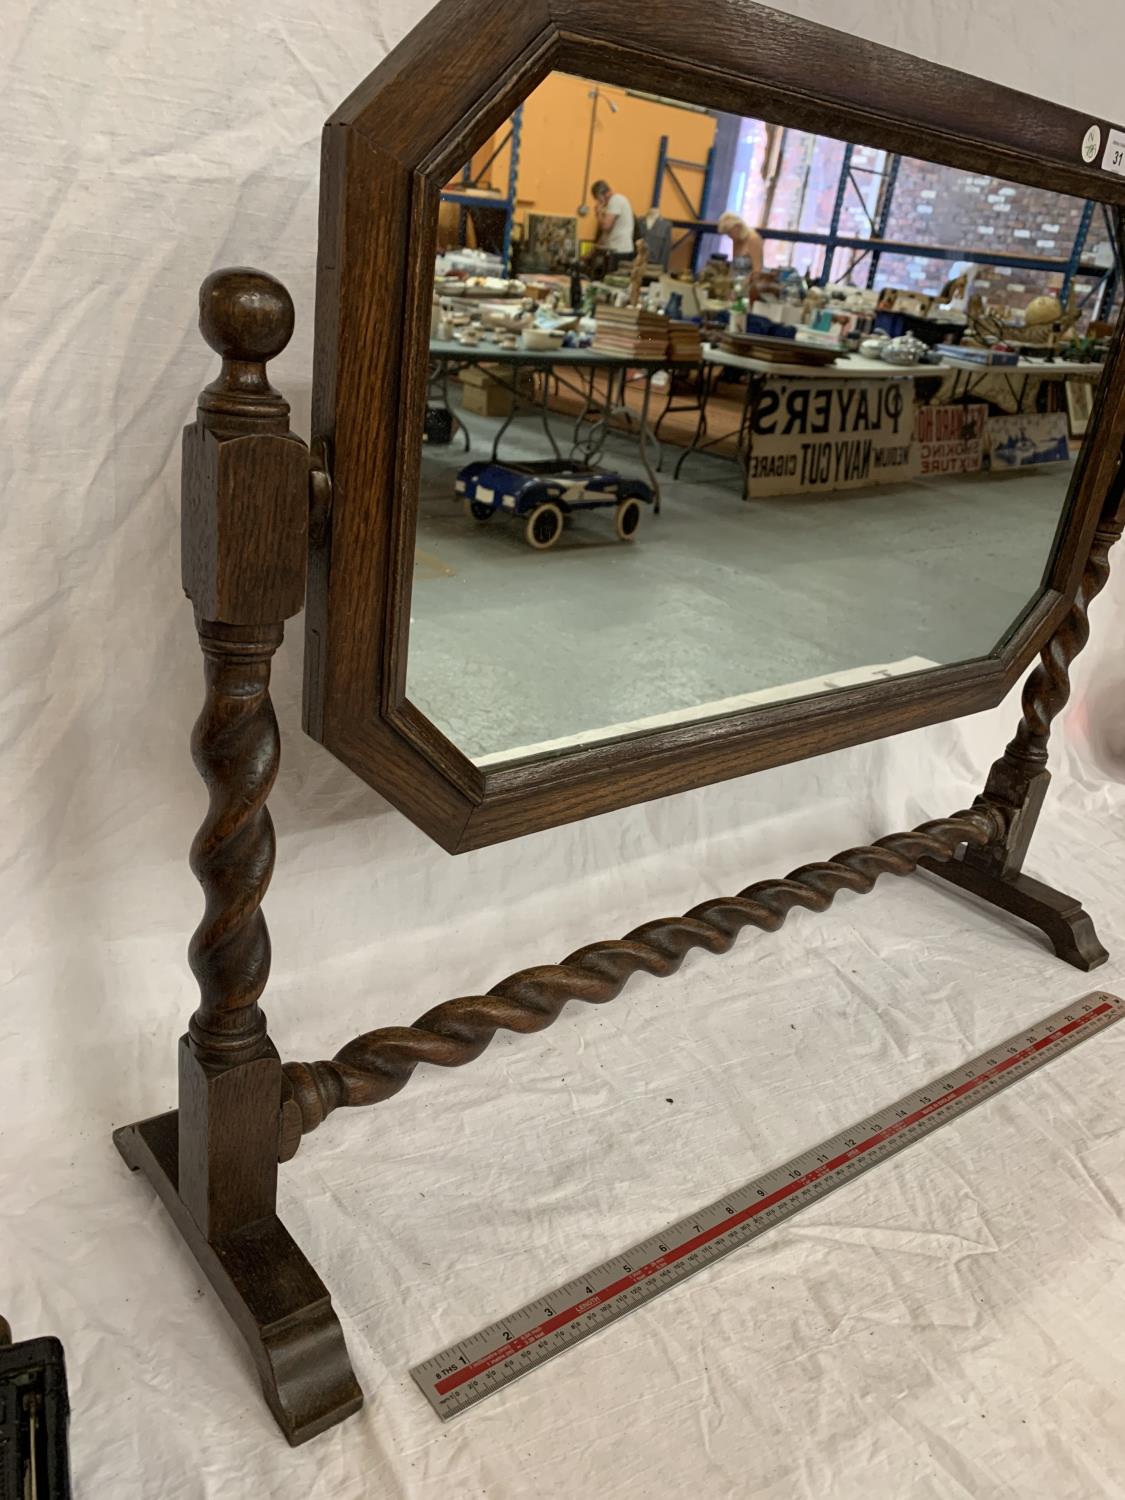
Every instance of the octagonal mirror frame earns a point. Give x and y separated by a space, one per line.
388 151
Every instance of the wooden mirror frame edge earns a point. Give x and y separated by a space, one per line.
384 164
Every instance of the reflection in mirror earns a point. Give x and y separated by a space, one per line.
722 414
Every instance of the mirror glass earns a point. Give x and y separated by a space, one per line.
722 414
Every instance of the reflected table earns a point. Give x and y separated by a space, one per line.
968 381
503 367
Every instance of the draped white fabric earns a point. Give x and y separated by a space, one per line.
951 1326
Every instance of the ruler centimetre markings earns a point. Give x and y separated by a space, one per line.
477 1367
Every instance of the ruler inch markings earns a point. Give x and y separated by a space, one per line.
488 1361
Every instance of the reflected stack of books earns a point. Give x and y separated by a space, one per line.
685 342
633 331
973 354
778 351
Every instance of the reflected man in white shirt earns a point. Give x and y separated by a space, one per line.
617 224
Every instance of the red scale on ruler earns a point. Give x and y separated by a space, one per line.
452 1381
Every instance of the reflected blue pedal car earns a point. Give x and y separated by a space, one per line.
543 495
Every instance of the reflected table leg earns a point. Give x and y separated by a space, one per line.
584 410
645 437
707 390
510 386
545 409
445 396
541 405
671 409
593 445
439 390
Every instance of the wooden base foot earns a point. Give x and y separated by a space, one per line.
1062 918
278 1302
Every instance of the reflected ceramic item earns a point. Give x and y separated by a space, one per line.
906 350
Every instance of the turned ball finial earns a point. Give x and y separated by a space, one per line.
247 317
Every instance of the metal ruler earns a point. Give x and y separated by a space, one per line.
470 1371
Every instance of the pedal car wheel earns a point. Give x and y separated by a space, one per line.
476 510
628 519
544 527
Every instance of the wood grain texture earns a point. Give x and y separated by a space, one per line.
440 72
1020 779
379 1065
236 747
244 563
753 60
522 799
245 517
214 1163
228 1178
1062 919
386 155
244 497
274 1297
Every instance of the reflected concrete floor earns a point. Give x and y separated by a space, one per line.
511 648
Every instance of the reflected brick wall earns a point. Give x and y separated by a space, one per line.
933 205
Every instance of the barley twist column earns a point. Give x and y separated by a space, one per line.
245 520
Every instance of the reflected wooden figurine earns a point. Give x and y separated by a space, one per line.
637 279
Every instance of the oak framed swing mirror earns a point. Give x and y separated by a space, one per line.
835 452
892 545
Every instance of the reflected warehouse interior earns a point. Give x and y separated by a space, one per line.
722 414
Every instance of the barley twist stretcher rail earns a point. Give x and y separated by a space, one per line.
377 1066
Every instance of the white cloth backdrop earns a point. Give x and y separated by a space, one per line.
952 1326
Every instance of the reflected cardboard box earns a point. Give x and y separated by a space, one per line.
487 389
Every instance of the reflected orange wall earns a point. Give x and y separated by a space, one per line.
556 133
